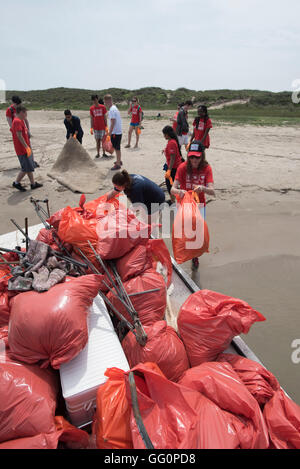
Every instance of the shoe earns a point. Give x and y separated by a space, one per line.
127 146
19 186
195 262
106 156
36 185
116 166
36 165
121 163
97 156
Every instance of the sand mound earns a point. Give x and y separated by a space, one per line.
75 169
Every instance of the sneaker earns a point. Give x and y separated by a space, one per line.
106 156
195 263
19 186
121 163
36 185
36 165
116 166
97 156
127 146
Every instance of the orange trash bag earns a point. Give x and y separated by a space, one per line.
107 145
160 254
163 347
190 236
208 321
112 418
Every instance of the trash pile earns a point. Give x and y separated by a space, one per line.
183 391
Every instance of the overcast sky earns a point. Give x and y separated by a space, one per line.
202 45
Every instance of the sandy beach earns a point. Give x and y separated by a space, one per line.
254 221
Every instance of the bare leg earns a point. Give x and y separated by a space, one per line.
98 147
30 177
118 154
137 137
20 176
129 136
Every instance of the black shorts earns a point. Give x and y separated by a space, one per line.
26 163
116 141
173 174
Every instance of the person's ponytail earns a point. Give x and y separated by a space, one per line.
122 178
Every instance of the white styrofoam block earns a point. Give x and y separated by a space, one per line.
81 377
15 238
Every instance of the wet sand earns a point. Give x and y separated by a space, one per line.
254 221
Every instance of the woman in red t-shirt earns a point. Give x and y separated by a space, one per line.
136 118
173 157
195 175
202 125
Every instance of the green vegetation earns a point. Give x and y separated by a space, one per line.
258 107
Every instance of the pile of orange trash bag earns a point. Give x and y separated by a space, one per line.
50 328
77 226
208 321
281 414
190 235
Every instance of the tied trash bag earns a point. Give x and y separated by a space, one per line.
118 232
260 382
112 419
190 236
177 417
134 263
219 383
51 328
149 306
163 347
208 321
282 417
28 399
161 255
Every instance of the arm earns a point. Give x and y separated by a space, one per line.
209 189
175 190
112 194
205 135
9 120
192 136
20 137
112 125
129 110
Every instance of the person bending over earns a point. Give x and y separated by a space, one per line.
73 126
139 190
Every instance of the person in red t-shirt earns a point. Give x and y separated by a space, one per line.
202 125
23 149
98 122
174 118
136 118
173 157
195 175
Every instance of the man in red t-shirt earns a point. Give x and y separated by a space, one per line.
136 118
23 149
98 122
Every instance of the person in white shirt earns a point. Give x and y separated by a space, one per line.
115 128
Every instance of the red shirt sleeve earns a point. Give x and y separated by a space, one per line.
8 112
208 124
209 175
180 175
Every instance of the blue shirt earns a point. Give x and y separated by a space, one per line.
72 126
145 192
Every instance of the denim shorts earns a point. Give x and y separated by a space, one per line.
134 124
26 163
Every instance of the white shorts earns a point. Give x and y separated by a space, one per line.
183 139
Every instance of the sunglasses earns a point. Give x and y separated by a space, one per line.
194 156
